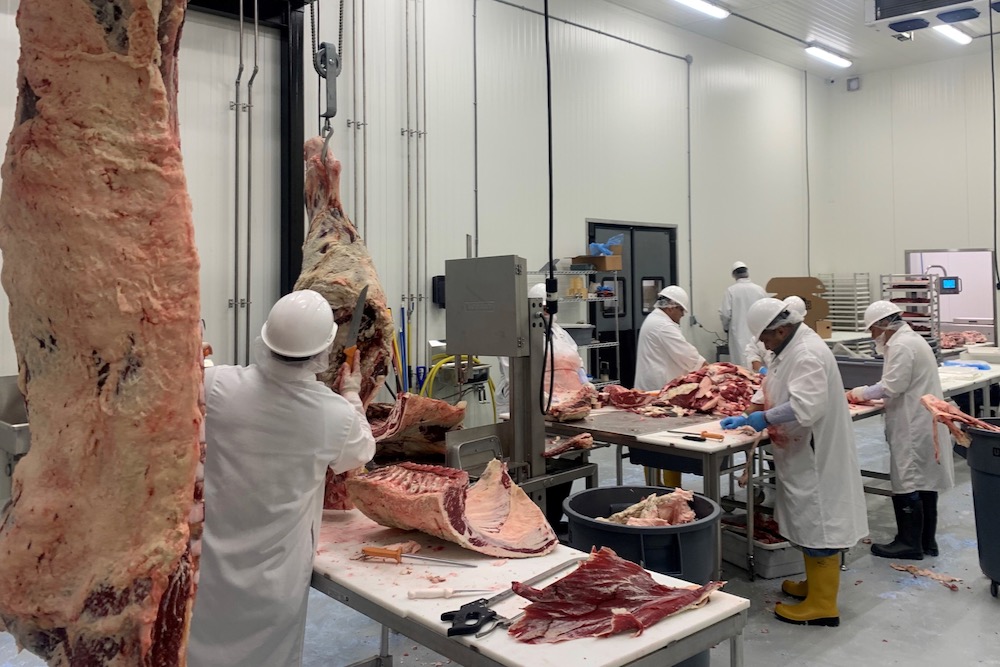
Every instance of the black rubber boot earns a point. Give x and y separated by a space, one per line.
929 501
908 544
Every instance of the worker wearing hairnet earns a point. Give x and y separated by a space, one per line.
820 504
739 297
563 345
271 430
910 371
757 356
663 353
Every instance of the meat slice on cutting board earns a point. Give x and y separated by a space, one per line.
606 595
99 547
336 263
493 516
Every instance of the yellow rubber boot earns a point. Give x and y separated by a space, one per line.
820 605
670 478
796 589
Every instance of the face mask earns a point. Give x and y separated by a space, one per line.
880 345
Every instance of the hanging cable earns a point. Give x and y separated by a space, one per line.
551 285
993 98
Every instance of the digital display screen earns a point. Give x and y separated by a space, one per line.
949 283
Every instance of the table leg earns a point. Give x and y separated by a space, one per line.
736 650
750 515
618 466
711 468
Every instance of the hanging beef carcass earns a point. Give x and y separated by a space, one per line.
99 546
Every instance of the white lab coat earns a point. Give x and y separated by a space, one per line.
755 351
271 431
910 372
820 500
733 313
663 354
561 341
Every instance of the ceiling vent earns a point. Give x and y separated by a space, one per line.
910 15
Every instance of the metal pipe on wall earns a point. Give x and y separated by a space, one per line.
408 218
253 75
415 290
235 302
424 281
364 121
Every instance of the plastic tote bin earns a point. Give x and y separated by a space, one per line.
688 551
984 460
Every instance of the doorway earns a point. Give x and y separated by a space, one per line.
649 263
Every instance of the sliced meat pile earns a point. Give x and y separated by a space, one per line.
669 509
414 425
557 445
99 546
973 337
493 516
949 415
606 595
952 339
765 528
717 389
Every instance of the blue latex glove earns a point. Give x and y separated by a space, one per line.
762 371
757 420
730 423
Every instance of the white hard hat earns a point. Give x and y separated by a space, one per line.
537 291
879 310
677 295
737 266
796 303
762 313
299 325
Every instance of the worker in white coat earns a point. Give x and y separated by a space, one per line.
663 353
820 504
561 341
271 430
910 371
739 297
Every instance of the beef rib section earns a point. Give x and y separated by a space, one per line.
99 546
493 516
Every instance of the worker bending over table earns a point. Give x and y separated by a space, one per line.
909 372
820 504
663 353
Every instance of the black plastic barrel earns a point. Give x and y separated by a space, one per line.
984 461
689 551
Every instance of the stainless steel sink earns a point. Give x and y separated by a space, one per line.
15 439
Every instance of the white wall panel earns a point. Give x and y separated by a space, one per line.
9 44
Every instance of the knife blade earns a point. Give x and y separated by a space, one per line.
351 342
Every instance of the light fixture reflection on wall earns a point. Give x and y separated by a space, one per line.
827 56
953 34
714 11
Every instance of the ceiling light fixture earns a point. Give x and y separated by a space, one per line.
714 11
953 34
827 56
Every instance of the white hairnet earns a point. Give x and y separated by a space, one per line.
666 302
280 369
893 322
787 316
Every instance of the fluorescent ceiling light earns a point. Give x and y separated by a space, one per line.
823 54
953 34
714 11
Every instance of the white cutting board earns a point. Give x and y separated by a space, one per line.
386 584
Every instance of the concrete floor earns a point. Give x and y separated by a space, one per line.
887 617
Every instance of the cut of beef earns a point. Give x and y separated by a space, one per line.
951 340
559 446
336 263
493 516
414 426
973 337
606 595
718 389
576 406
949 415
99 546
626 399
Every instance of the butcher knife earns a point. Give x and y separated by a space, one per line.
702 435
351 342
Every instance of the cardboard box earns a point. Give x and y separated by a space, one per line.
824 328
605 263
809 289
